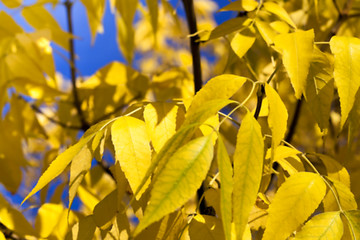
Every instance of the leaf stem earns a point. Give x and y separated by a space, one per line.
194 43
84 125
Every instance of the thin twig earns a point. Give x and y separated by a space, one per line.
260 96
194 43
84 125
294 121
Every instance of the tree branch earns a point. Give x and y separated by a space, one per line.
77 104
294 121
260 96
194 43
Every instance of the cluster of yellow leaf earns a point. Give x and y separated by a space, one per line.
166 142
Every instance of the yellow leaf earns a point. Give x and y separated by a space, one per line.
266 31
179 180
14 220
230 26
288 159
11 28
2 236
335 170
105 211
277 116
88 199
84 229
154 12
80 165
95 12
219 87
326 225
297 51
12 3
354 223
226 188
345 196
241 5
160 119
40 18
48 218
132 149
205 227
242 42
346 72
60 163
248 167
279 11
296 199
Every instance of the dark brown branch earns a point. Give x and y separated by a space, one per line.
194 43
77 104
294 121
9 234
260 96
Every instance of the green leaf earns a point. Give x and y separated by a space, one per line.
132 149
242 42
160 119
296 199
354 223
179 180
326 225
297 51
60 163
346 72
248 167
226 189
278 116
279 11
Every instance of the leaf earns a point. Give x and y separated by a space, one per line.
326 225
12 3
95 12
278 116
40 18
241 5
346 71
80 165
14 220
205 227
154 14
226 189
48 219
335 170
248 167
320 87
297 51
11 28
345 196
105 211
179 180
230 26
296 199
288 159
219 87
132 149
60 163
2 236
280 12
242 42
354 223
266 31
160 119
84 229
